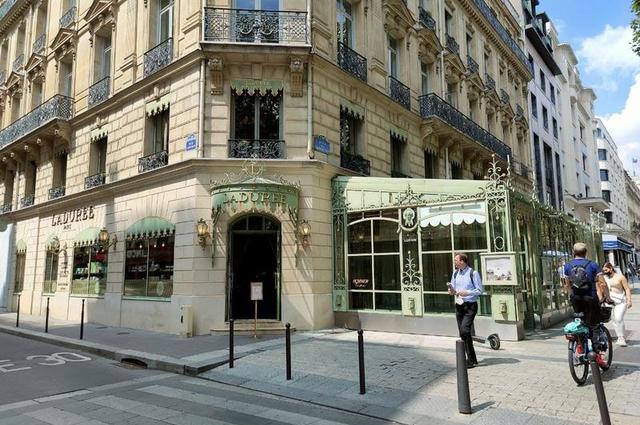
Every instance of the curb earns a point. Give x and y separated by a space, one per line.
152 360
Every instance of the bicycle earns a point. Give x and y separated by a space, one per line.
577 333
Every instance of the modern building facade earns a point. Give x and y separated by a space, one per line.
633 208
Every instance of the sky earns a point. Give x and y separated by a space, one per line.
600 34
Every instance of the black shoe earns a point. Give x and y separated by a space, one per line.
471 364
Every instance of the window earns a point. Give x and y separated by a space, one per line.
66 79
604 175
165 28
424 75
9 181
89 271
581 132
599 132
545 118
587 191
452 94
430 165
397 155
30 178
392 57
60 170
256 125
606 195
158 133
448 22
18 284
469 41
149 267
456 171
602 154
554 124
608 216
543 82
50 272
584 163
36 93
487 62
534 106
103 58
552 93
350 134
530 59
345 23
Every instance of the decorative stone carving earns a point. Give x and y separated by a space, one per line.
296 68
215 65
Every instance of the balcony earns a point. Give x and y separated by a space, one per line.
56 192
432 106
504 96
355 163
5 208
472 65
99 92
256 148
255 26
452 45
352 62
94 181
427 20
489 82
399 92
519 111
153 161
26 201
158 57
58 107
68 18
38 45
18 64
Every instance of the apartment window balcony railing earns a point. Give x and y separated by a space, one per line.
427 20
255 26
158 57
489 82
352 62
68 18
355 163
18 63
56 192
432 106
5 208
38 45
49 287
399 174
99 92
399 92
58 107
472 65
153 161
256 148
503 33
504 96
519 111
94 180
6 7
452 45
26 201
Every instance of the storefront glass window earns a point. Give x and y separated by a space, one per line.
89 271
50 273
149 267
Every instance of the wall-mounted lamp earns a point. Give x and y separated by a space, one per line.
54 246
104 241
304 230
202 230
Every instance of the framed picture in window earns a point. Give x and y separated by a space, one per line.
499 268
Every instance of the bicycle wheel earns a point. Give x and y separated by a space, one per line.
608 354
578 367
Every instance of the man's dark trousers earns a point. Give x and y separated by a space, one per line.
465 313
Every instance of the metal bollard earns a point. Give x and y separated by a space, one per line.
288 349
230 343
46 320
82 321
464 398
18 313
361 361
597 383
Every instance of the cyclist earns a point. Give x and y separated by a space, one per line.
581 275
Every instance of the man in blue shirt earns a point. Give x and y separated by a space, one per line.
580 281
466 286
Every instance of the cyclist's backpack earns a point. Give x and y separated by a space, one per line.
579 277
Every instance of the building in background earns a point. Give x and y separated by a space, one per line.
633 208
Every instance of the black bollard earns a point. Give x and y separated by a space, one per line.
361 361
82 321
46 320
18 313
288 349
597 383
464 398
230 343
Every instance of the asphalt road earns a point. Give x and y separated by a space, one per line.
31 369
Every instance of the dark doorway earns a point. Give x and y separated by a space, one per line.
254 257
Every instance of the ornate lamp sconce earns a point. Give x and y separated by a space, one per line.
202 230
304 231
104 240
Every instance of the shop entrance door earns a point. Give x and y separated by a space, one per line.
254 256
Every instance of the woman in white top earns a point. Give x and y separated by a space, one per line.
620 294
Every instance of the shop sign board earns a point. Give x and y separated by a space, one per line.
73 216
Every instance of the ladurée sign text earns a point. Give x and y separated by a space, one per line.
73 216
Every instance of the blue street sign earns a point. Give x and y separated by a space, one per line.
190 142
321 144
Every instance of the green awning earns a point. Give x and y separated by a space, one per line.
150 227
21 247
351 108
88 236
257 85
156 106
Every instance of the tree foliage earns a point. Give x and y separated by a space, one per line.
635 26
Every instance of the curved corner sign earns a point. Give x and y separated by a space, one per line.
265 197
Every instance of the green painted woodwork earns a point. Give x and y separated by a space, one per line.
150 227
86 237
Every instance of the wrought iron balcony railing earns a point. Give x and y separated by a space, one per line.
472 65
99 92
503 33
504 96
452 45
56 192
6 7
158 57
399 92
94 180
26 201
68 18
352 62
256 148
5 208
427 20
58 107
255 26
355 163
432 106
38 45
153 161
489 82
519 111
18 64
